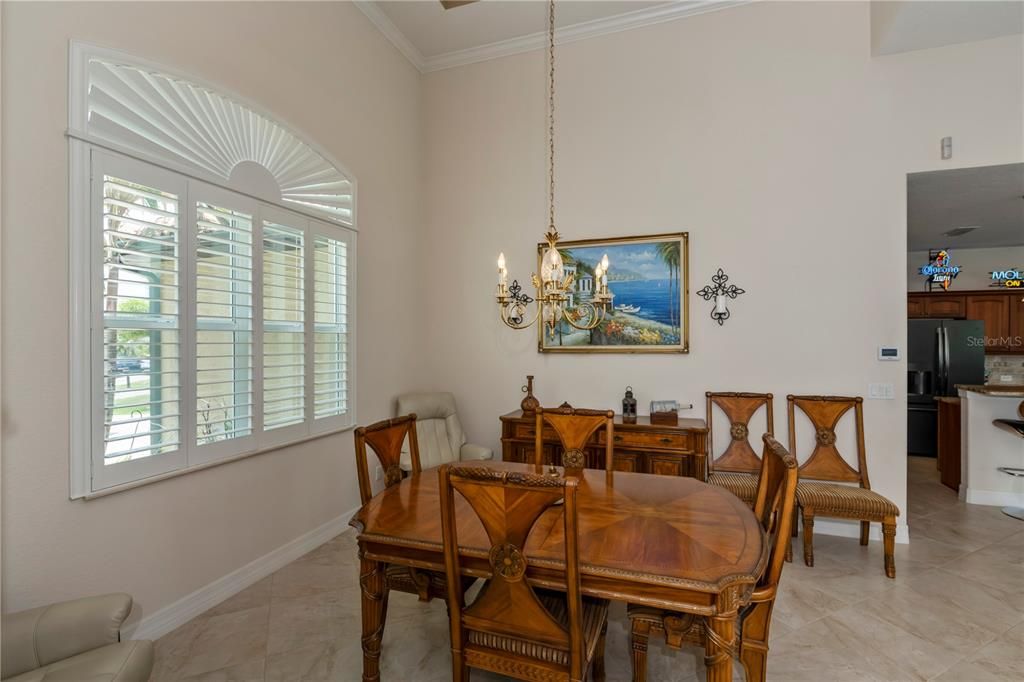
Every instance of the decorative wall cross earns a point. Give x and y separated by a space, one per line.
718 293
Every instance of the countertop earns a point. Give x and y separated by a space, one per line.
999 390
951 399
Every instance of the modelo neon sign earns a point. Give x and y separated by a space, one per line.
940 270
1012 279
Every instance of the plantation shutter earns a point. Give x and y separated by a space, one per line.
224 324
284 318
141 321
330 295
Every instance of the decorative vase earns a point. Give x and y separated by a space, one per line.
530 403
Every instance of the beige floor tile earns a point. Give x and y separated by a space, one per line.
226 640
296 622
249 671
1000 566
1000 661
257 594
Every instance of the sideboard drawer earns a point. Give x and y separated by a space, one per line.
637 439
529 432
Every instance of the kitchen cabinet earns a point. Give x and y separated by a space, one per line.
1016 341
994 311
935 305
948 440
1001 310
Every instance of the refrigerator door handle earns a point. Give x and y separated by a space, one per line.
940 360
949 364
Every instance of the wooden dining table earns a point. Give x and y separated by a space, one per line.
663 541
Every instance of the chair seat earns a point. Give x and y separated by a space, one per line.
843 500
743 486
426 583
595 614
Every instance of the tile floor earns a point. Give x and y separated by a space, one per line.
955 612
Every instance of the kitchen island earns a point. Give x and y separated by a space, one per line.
986 447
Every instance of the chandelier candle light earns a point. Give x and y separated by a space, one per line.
554 288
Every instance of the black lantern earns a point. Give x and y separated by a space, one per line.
629 407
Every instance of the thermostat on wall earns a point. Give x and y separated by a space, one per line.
888 353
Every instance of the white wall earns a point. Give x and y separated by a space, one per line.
324 68
766 131
976 265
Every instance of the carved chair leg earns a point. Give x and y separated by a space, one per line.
597 673
808 536
641 631
460 671
889 542
865 531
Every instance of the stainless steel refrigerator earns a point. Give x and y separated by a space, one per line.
940 355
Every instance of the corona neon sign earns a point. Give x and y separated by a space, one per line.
940 270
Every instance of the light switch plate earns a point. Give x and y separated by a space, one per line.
378 473
881 392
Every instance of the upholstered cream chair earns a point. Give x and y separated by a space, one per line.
74 640
438 430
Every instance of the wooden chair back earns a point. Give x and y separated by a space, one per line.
825 463
508 504
738 409
773 507
385 438
574 427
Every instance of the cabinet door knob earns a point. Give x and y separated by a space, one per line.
617 438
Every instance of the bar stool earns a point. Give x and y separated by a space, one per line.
1016 427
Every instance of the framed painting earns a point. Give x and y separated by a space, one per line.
648 279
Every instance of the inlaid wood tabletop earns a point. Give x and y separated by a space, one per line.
665 541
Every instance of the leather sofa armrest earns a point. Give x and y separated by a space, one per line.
41 636
469 452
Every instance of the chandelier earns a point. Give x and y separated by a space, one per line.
556 297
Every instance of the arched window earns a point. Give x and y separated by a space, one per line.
212 277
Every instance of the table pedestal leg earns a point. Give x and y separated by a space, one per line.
371 585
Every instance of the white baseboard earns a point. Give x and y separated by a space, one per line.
188 607
851 529
994 498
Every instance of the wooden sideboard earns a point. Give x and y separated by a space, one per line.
643 447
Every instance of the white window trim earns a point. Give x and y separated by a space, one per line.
83 263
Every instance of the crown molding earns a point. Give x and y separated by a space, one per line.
384 24
536 41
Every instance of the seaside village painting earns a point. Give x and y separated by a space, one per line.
648 283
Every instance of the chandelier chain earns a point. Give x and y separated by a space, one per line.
551 117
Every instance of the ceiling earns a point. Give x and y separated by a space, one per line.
914 25
990 197
433 38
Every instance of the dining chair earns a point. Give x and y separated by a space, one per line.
738 467
511 628
574 427
385 438
773 506
827 480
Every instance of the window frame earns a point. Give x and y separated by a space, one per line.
90 477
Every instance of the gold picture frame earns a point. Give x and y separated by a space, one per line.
651 313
